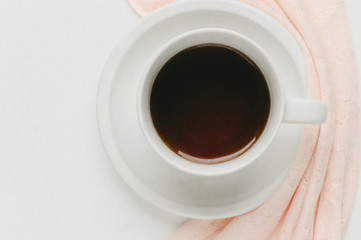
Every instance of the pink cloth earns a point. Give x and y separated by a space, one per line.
316 198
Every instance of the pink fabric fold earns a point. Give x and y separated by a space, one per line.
315 200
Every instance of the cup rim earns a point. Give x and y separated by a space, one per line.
197 37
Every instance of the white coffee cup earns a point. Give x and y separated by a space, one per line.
283 110
160 176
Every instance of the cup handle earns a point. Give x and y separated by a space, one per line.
305 111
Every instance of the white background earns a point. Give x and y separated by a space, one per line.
55 179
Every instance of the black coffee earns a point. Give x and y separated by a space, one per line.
208 102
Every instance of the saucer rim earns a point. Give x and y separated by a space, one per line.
104 92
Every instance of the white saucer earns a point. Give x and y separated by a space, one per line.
151 177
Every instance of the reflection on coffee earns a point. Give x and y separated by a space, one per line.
210 103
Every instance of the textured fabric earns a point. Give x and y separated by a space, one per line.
315 200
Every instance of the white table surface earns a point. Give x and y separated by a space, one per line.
55 179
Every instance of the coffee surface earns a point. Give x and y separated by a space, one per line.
209 102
